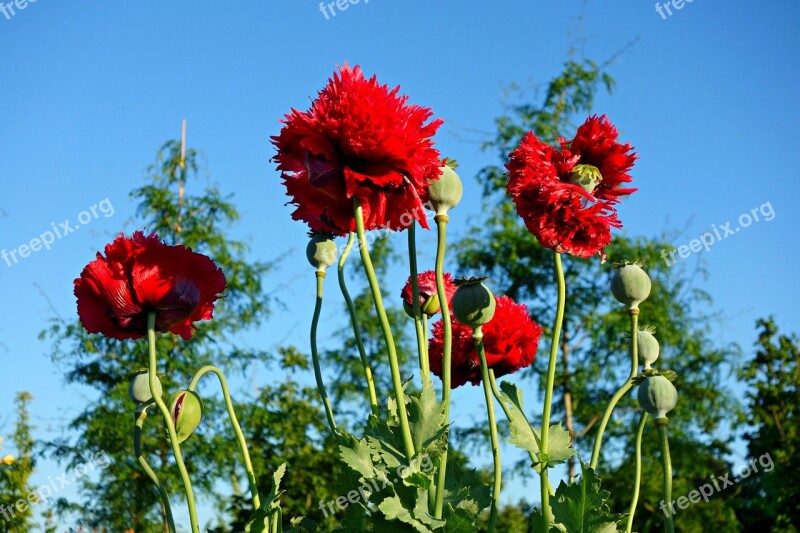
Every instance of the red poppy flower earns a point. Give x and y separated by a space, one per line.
427 290
510 340
358 139
566 197
139 275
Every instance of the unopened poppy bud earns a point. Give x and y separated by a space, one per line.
445 193
473 302
648 347
587 177
630 285
186 408
139 389
321 251
658 396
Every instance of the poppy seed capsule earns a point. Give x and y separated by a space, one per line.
139 389
630 285
186 408
648 348
473 303
658 396
445 193
321 251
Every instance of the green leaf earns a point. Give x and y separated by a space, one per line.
525 437
393 509
426 417
358 456
580 507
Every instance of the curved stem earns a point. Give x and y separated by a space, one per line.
634 353
477 336
377 299
373 397
666 460
637 477
441 244
173 437
548 391
141 415
422 339
326 402
237 428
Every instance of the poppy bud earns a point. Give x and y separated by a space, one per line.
445 193
473 302
321 251
648 347
139 389
586 177
658 396
186 408
7 460
630 285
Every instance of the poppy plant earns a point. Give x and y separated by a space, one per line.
428 294
139 275
566 197
510 340
359 140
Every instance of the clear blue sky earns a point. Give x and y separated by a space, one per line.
708 96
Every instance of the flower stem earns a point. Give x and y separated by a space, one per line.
237 428
477 336
441 245
326 402
141 415
634 353
548 391
661 424
637 478
422 339
173 437
373 398
394 364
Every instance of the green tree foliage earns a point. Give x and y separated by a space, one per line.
14 485
593 352
771 499
122 496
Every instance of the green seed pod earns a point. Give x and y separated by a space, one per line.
658 396
139 389
587 177
630 285
473 302
445 193
186 408
321 251
648 347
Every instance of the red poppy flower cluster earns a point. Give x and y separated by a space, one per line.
359 140
510 340
140 275
427 290
566 197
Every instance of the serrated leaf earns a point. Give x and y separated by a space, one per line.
358 456
523 436
422 513
527 438
461 518
580 507
426 417
392 508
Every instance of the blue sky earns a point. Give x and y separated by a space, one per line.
708 96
